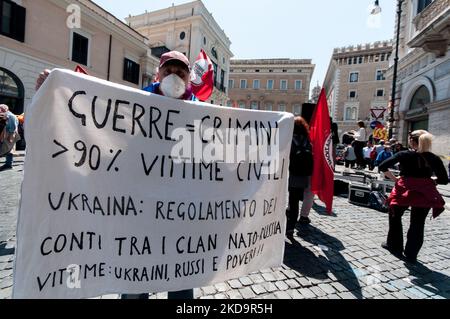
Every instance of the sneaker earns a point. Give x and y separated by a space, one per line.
5 167
304 220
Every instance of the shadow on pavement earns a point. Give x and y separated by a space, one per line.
6 251
322 210
429 280
307 263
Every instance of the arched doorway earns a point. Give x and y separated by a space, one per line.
11 91
417 115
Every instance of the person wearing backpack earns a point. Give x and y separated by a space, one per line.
300 171
414 188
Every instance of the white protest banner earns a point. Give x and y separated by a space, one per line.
130 192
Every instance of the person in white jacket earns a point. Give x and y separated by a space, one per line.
360 137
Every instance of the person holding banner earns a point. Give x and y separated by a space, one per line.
173 81
173 77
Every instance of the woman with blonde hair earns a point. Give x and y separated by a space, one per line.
414 188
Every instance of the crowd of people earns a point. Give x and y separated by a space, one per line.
414 187
372 154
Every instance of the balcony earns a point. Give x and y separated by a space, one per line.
433 28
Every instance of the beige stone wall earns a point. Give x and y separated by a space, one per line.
201 31
48 44
263 97
369 59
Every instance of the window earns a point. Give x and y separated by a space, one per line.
256 84
354 77
380 75
254 105
422 4
383 57
229 103
11 91
297 109
282 107
12 22
352 94
283 85
360 60
182 35
350 114
349 61
284 71
380 92
214 52
231 84
420 98
298 85
215 73
270 71
269 107
80 48
270 84
243 84
257 71
222 80
355 60
131 71
242 105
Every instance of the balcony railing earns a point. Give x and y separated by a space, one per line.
430 13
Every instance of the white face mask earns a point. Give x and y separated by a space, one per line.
173 86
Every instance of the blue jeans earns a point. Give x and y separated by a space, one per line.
177 295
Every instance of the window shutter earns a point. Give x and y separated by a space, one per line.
18 15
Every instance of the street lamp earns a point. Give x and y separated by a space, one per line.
394 80
376 8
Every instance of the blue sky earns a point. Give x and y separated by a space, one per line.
284 28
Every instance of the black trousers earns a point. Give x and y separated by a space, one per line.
370 163
350 164
295 196
415 232
358 146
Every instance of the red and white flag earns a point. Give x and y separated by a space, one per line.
79 69
202 77
322 181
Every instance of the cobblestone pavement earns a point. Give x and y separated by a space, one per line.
336 257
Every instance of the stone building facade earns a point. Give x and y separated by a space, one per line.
423 99
40 34
188 28
270 84
356 84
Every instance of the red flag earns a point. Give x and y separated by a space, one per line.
79 69
202 77
322 181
